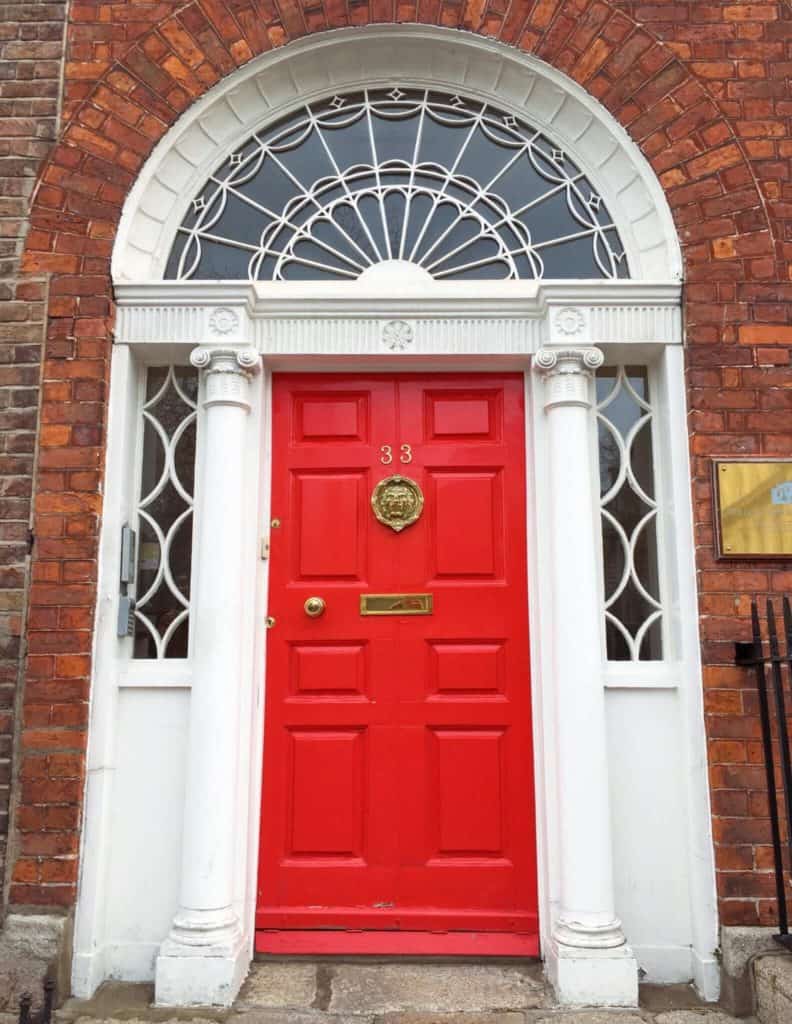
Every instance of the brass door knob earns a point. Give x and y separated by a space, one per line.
314 607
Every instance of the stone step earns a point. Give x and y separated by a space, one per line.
341 992
381 988
773 988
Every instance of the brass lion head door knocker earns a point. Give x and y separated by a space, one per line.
397 502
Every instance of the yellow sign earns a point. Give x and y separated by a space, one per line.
754 509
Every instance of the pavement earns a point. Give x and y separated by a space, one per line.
338 992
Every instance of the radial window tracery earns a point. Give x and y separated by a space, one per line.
449 184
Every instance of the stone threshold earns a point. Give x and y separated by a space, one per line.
334 991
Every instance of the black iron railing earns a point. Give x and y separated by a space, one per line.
769 668
44 1014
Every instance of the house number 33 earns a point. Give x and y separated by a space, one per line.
386 458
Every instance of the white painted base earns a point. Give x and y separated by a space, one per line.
674 965
664 965
88 973
707 977
187 977
593 977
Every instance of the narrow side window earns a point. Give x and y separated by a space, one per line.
628 507
164 512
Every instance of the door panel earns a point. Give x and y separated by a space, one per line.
465 761
329 546
467 522
398 791
328 769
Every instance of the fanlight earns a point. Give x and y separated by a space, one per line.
443 183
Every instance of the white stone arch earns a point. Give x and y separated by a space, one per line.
276 83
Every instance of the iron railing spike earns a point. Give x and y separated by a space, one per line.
781 720
44 1015
758 662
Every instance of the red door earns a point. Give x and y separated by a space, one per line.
398 801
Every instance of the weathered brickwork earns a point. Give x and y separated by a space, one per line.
31 51
702 87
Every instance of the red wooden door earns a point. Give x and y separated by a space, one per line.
398 801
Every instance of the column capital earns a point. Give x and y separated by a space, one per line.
227 372
567 372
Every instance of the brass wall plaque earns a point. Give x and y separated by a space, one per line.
397 502
396 604
754 508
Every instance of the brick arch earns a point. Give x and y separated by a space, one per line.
117 110
132 69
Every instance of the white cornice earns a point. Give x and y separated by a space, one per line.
451 298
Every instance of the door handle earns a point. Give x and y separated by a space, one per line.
314 607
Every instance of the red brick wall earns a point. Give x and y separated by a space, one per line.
703 88
31 49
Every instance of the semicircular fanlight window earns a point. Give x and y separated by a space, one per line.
447 184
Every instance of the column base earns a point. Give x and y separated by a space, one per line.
200 976
593 977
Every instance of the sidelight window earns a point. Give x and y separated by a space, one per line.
628 509
164 512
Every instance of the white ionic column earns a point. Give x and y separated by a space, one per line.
589 962
205 957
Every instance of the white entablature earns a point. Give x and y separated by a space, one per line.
316 318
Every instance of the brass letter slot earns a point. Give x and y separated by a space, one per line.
395 604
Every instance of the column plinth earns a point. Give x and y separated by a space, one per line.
204 959
590 962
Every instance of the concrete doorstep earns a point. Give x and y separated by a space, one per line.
338 992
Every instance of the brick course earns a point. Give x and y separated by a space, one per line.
31 51
703 88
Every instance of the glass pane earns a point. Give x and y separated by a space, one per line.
629 515
165 513
460 188
615 644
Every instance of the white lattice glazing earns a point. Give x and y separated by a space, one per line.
164 513
446 183
633 602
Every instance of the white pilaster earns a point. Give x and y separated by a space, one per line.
589 962
205 957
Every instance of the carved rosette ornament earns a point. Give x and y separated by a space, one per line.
568 373
223 321
227 373
397 335
569 321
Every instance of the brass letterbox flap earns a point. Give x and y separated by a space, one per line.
396 604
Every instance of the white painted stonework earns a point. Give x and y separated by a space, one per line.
168 884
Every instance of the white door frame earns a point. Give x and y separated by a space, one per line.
241 326
159 324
